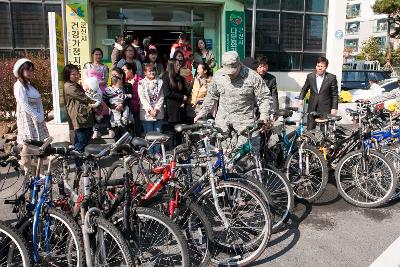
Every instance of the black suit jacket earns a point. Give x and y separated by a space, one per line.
270 80
328 96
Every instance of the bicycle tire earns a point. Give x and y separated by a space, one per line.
227 253
13 249
304 183
74 238
280 192
138 247
111 230
394 158
189 215
360 193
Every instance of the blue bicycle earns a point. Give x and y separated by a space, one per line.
55 239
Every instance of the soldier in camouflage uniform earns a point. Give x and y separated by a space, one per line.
239 90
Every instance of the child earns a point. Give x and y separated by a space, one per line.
115 96
151 102
93 91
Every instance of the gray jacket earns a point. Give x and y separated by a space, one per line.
237 99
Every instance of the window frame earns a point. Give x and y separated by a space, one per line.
280 50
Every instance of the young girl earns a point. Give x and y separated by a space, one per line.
30 113
116 96
151 102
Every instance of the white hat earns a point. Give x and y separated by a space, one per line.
18 65
92 83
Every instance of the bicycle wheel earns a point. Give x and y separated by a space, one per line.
366 180
155 240
280 192
63 247
195 226
13 249
108 245
307 174
248 231
394 158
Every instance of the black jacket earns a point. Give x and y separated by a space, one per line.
174 99
270 80
326 99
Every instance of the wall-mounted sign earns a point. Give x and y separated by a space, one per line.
235 32
78 34
339 34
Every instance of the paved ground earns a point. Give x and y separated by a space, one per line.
333 233
330 233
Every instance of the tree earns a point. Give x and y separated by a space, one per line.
370 49
392 9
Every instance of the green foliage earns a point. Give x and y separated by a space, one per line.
41 79
370 50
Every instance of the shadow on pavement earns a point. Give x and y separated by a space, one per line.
291 230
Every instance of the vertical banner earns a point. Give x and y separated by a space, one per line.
57 64
235 32
77 32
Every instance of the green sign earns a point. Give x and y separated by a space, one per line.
235 32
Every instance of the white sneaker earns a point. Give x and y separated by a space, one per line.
111 133
96 134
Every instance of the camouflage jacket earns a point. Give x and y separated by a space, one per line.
237 99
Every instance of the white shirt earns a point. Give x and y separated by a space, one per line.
320 79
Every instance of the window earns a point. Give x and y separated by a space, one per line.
268 4
380 25
28 25
317 6
267 33
291 33
382 41
352 27
353 76
25 25
5 26
314 35
293 5
353 11
351 44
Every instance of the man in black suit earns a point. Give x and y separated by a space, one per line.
323 91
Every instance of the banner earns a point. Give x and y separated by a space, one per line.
235 32
77 32
57 64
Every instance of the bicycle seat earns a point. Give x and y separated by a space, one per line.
34 142
158 137
185 127
60 148
333 117
321 120
138 143
352 112
94 149
284 113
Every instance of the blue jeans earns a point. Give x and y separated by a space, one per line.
82 138
153 126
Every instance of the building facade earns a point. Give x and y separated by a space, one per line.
291 33
361 24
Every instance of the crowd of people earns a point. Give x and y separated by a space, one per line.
146 94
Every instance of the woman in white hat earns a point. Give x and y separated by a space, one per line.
29 113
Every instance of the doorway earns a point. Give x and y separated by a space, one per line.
162 38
